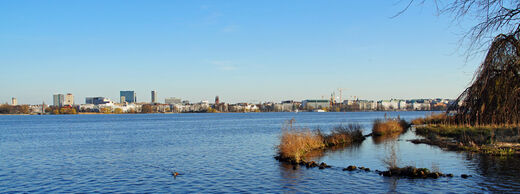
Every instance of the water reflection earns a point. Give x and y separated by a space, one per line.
317 155
291 176
385 138
498 173
391 182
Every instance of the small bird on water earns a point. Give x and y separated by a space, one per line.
175 174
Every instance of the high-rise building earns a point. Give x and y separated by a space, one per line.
97 100
217 101
122 99
14 101
130 96
154 96
69 100
58 99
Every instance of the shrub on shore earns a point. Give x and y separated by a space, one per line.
389 126
295 143
343 135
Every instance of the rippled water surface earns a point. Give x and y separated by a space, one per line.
219 153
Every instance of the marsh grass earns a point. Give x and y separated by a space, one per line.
478 134
295 143
343 135
491 140
391 160
441 118
389 126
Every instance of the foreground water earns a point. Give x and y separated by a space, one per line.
219 153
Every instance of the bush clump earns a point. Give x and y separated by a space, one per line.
389 126
343 135
295 143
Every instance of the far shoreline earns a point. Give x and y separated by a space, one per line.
97 113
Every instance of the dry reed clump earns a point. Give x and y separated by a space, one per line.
295 143
344 135
389 126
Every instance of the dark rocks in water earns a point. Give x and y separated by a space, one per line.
295 167
465 176
350 168
324 165
434 175
386 173
311 164
367 169
449 175
321 167
411 172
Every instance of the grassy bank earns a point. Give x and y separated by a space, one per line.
492 140
488 139
295 143
389 126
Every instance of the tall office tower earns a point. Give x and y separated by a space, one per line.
69 100
14 101
154 96
58 100
217 101
130 96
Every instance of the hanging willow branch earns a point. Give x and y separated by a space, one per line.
491 17
494 96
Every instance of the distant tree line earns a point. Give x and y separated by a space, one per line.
17 109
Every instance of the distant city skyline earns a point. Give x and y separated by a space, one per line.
128 95
240 51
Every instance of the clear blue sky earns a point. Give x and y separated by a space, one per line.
247 51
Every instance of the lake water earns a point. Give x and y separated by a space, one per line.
220 153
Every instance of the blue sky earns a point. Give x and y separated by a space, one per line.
247 51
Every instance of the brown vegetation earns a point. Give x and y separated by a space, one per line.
18 109
389 126
61 110
441 118
343 135
494 96
295 143
147 108
491 140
